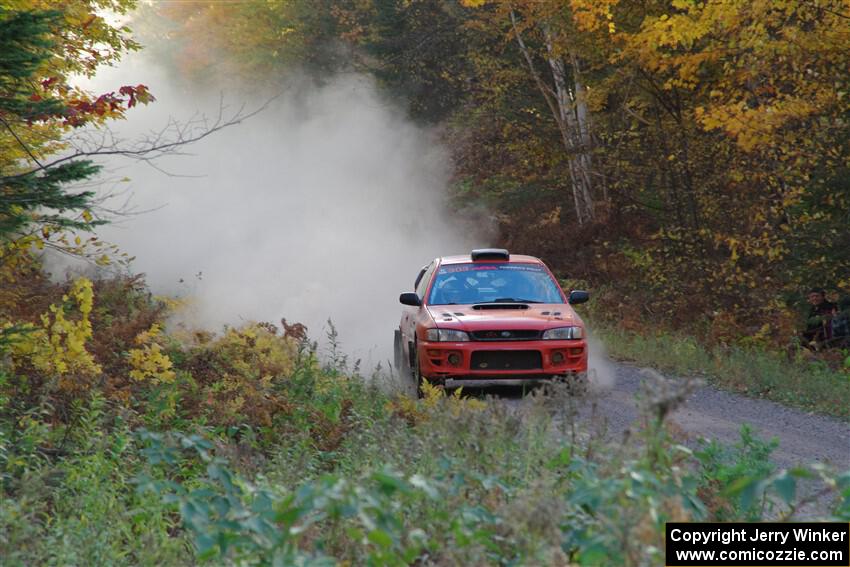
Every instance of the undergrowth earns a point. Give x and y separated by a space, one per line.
243 447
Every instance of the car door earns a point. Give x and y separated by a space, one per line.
411 316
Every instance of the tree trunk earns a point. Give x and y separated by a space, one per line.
572 117
573 122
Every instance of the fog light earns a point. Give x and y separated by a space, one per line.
557 357
454 359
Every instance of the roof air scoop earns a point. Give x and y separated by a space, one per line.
490 254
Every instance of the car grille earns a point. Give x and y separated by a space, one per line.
505 335
506 360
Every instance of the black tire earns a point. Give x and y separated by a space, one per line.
397 353
417 375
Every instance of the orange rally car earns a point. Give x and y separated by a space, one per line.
490 316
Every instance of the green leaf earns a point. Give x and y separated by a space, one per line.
786 486
751 489
206 545
380 538
390 484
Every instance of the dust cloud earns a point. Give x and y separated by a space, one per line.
325 205
602 373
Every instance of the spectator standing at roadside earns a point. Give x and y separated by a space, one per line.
819 321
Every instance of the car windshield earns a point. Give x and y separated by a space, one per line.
465 284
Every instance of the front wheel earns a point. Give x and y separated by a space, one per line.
398 354
417 374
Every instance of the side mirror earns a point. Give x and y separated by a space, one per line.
578 296
410 298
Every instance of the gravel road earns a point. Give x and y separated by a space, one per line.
804 438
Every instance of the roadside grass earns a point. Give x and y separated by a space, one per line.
485 485
388 481
78 504
244 447
811 385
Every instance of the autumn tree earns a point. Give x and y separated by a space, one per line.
743 107
42 166
693 156
250 43
39 50
556 59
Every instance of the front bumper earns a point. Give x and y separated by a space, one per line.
494 360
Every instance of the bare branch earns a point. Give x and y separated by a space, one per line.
158 144
21 142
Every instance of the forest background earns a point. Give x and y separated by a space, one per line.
687 161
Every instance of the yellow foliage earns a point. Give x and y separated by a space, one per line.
590 15
240 372
254 351
431 395
14 254
457 403
172 304
58 345
149 362
433 398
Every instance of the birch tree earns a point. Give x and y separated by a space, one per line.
541 32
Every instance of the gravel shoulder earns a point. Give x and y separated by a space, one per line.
804 438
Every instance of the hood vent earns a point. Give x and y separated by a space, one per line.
483 306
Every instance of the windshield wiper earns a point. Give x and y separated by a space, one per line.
512 300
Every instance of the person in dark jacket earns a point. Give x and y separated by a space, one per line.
819 321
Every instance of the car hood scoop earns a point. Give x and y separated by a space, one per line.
487 306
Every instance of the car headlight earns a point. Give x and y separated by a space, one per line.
564 333
446 335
